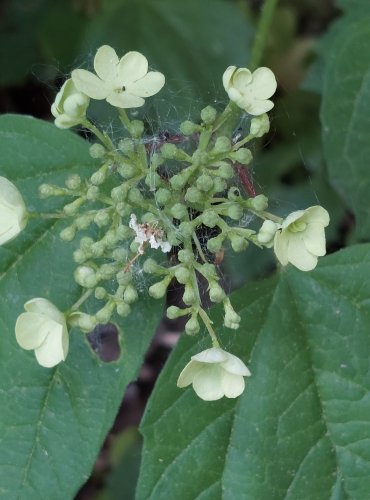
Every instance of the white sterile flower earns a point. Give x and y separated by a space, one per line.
250 91
13 212
301 238
267 232
214 373
43 328
148 233
122 82
70 105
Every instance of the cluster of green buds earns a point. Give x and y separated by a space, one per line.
139 205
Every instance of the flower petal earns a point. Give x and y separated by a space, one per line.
46 308
187 375
125 100
9 193
235 366
147 86
241 79
207 383
232 385
106 63
51 351
281 242
317 214
298 255
10 223
256 107
263 83
226 77
292 218
90 84
29 330
212 355
131 67
314 239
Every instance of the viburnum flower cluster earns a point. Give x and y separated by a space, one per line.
134 209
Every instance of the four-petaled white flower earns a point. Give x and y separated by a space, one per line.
214 373
301 238
122 82
69 107
250 91
43 328
148 233
13 212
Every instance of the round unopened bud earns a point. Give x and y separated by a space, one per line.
106 271
225 171
150 266
243 156
174 238
130 295
158 290
46 190
119 193
185 256
231 319
179 211
127 170
169 151
210 218
99 177
97 151
189 296
192 326
102 218
219 185
178 181
136 129
235 211
85 243
205 182
126 146
260 125
92 193
72 208
79 256
120 254
222 145
124 278
162 196
123 232
83 221
193 195
214 245
111 238
134 246
216 293
149 218
85 276
81 320
174 312
186 229
267 232
259 202
183 275
68 233
188 128
238 243
209 272
97 249
200 157
100 293
208 115
123 309
73 181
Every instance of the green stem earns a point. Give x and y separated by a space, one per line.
263 28
242 142
81 300
40 215
208 324
103 138
199 248
267 216
125 119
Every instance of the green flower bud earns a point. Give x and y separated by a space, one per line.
46 190
222 145
73 181
106 271
111 238
85 243
242 155
205 182
120 254
235 211
183 275
97 249
210 218
79 256
232 319
151 266
259 202
85 276
214 245
189 296
149 218
104 315
123 309
178 181
193 195
208 115
185 256
81 320
192 326
216 293
100 293
174 238
158 290
188 128
225 171
127 170
169 151
179 211
130 295
267 233
97 151
99 177
123 232
174 312
102 218
119 193
136 129
123 208
260 125
68 233
163 196
72 208
92 193
186 229
134 247
83 221
219 185
209 272
135 196
200 157
238 243
126 146
124 278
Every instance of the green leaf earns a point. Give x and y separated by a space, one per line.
345 115
301 429
53 421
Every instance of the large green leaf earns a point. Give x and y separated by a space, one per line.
301 429
53 421
345 113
